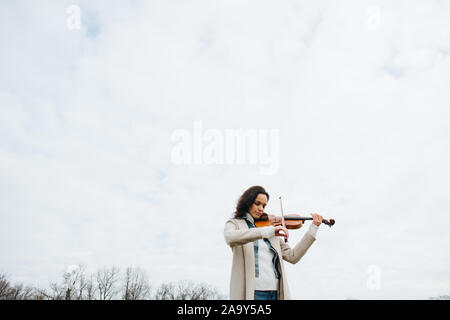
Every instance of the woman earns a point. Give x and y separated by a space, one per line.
257 270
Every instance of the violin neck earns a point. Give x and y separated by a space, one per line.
297 218
293 218
289 218
325 221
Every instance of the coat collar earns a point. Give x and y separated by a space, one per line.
249 217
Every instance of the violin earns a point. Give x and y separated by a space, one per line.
292 221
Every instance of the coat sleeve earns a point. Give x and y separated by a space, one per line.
235 236
293 255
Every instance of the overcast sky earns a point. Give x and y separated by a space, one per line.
349 103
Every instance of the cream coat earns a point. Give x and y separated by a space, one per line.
240 238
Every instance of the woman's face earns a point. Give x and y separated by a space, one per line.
257 208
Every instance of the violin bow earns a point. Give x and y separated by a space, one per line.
282 217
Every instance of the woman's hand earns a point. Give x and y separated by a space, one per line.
281 231
317 219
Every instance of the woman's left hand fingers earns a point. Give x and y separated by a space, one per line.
317 219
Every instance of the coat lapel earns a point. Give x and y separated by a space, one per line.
249 259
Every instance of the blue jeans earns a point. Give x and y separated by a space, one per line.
266 295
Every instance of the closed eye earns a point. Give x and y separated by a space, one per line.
258 203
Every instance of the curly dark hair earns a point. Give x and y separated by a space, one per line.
247 199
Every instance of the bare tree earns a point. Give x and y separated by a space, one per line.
103 285
39 294
21 292
18 291
136 285
166 291
444 297
56 292
4 286
187 290
91 289
72 287
74 282
107 282
204 291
